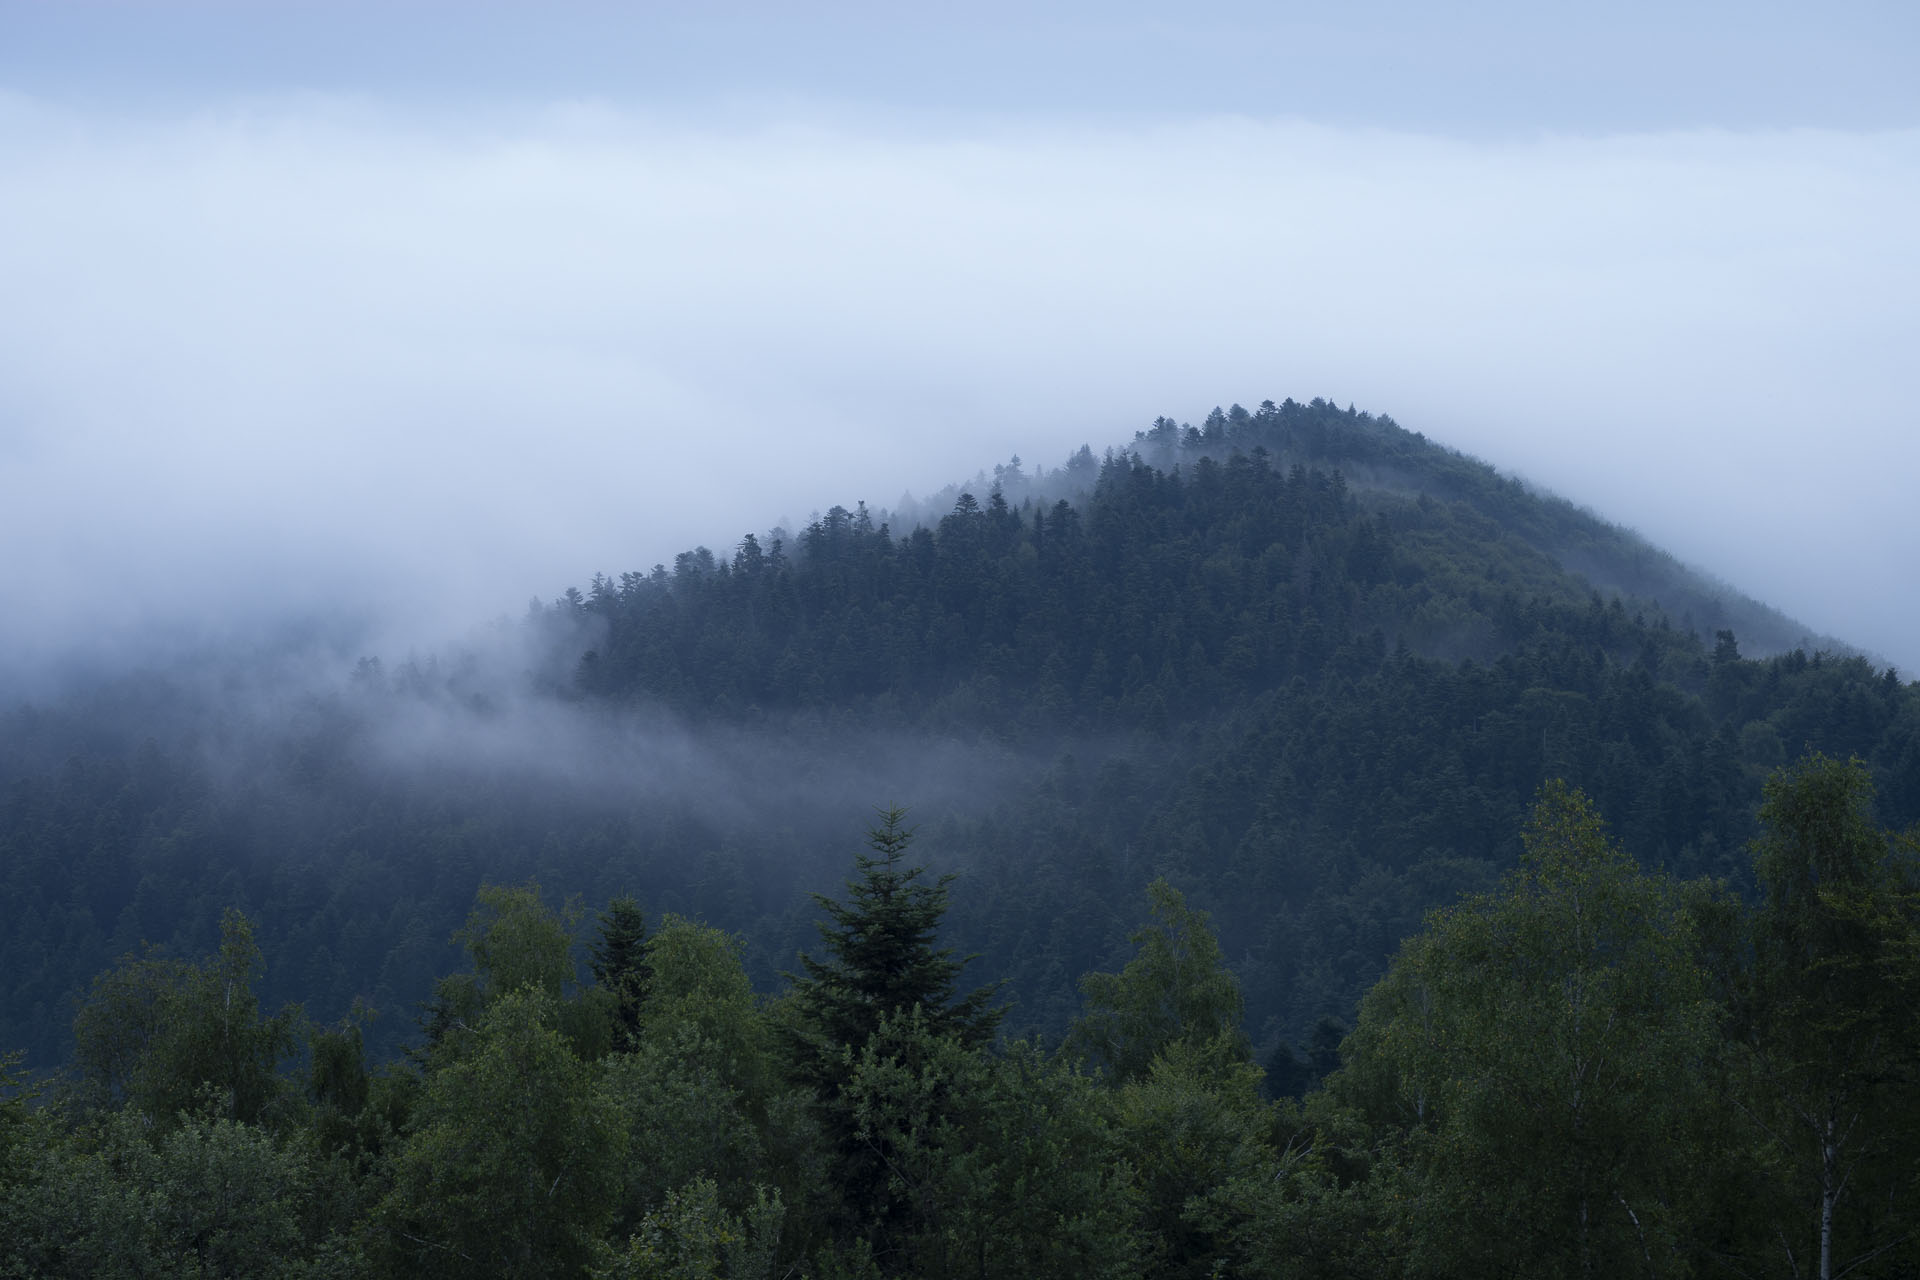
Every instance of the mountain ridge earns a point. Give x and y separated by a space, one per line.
1379 458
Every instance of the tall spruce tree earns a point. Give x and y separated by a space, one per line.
882 971
882 959
620 966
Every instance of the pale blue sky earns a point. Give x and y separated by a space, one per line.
1472 68
419 309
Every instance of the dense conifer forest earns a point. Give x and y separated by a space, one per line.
1293 848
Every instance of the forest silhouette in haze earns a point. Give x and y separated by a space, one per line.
1291 848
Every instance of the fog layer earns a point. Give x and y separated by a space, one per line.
320 357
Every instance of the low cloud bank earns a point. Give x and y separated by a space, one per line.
329 360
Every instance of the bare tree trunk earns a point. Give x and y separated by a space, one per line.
1829 1196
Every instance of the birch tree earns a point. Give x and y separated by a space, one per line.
1827 1070
512 1168
1539 1053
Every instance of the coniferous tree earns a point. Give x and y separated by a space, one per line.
882 964
882 959
620 966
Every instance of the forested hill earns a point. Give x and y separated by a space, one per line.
1062 591
1382 461
1308 667
1319 704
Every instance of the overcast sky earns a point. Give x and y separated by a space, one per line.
410 312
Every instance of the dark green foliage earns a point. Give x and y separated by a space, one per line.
517 943
882 964
620 966
16 1097
1176 990
511 1168
995 1165
337 1074
1591 1070
882 959
1188 1118
1190 1126
694 1237
168 1037
700 1092
209 1197
1537 1063
1828 1048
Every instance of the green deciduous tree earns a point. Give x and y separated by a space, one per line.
699 1092
1166 1032
693 1237
208 1197
1176 990
993 1165
1540 1058
512 1168
1192 1124
516 942
1829 1069
159 1034
16 1097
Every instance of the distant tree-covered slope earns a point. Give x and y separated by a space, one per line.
1382 461
1306 666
